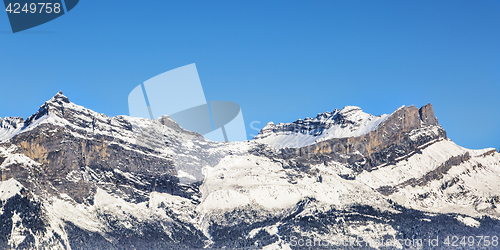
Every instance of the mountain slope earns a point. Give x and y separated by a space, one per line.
71 178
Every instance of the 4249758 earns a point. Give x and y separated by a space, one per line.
469 241
48 8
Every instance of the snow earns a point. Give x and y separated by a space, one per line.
468 221
182 174
9 188
414 167
16 234
278 245
88 218
464 189
260 182
323 127
14 158
7 132
430 131
74 176
61 210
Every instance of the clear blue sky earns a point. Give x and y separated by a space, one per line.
280 60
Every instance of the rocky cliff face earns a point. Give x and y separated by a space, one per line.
71 178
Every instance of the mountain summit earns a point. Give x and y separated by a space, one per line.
347 122
350 121
71 178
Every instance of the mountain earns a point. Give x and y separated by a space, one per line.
71 178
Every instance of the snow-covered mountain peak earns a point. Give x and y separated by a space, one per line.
352 113
59 98
348 109
346 122
55 107
269 125
348 112
59 111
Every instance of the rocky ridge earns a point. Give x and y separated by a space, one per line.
347 122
